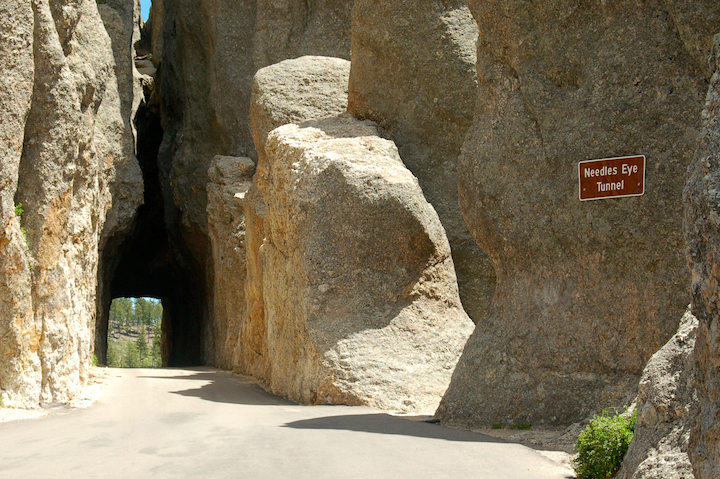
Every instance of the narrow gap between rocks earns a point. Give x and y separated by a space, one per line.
146 261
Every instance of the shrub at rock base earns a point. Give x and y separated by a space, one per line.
602 446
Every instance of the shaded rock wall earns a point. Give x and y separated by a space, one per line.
702 218
121 19
667 407
413 72
603 282
69 150
293 28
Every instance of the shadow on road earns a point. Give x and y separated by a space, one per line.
386 424
226 388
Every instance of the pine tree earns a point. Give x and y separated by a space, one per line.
141 344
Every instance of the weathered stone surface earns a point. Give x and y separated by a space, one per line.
230 179
293 91
413 72
586 292
20 371
209 55
360 297
293 28
667 405
154 26
702 208
71 146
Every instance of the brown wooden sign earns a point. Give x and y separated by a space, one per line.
612 178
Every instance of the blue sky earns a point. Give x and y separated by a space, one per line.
145 8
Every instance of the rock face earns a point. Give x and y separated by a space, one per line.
20 370
413 72
293 28
703 243
68 150
121 19
667 407
291 91
360 299
230 179
602 282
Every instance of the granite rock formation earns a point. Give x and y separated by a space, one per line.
360 297
68 148
230 179
209 55
291 91
667 406
413 73
586 291
121 19
702 232
20 370
293 28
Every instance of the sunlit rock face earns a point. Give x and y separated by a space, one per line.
586 291
68 152
666 410
360 297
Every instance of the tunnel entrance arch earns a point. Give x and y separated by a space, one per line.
151 258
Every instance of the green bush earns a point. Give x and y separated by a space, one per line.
602 445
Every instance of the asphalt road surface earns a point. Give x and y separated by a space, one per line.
180 423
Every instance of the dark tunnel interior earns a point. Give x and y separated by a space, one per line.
147 262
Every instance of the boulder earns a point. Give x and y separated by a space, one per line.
666 405
586 291
359 290
702 232
292 91
413 73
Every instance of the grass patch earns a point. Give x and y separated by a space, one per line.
602 445
497 425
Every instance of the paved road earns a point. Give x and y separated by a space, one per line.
202 423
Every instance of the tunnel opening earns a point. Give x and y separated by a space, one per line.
151 259
134 333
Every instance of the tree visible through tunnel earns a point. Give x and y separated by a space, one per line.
134 333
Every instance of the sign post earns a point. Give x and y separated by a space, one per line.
612 178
